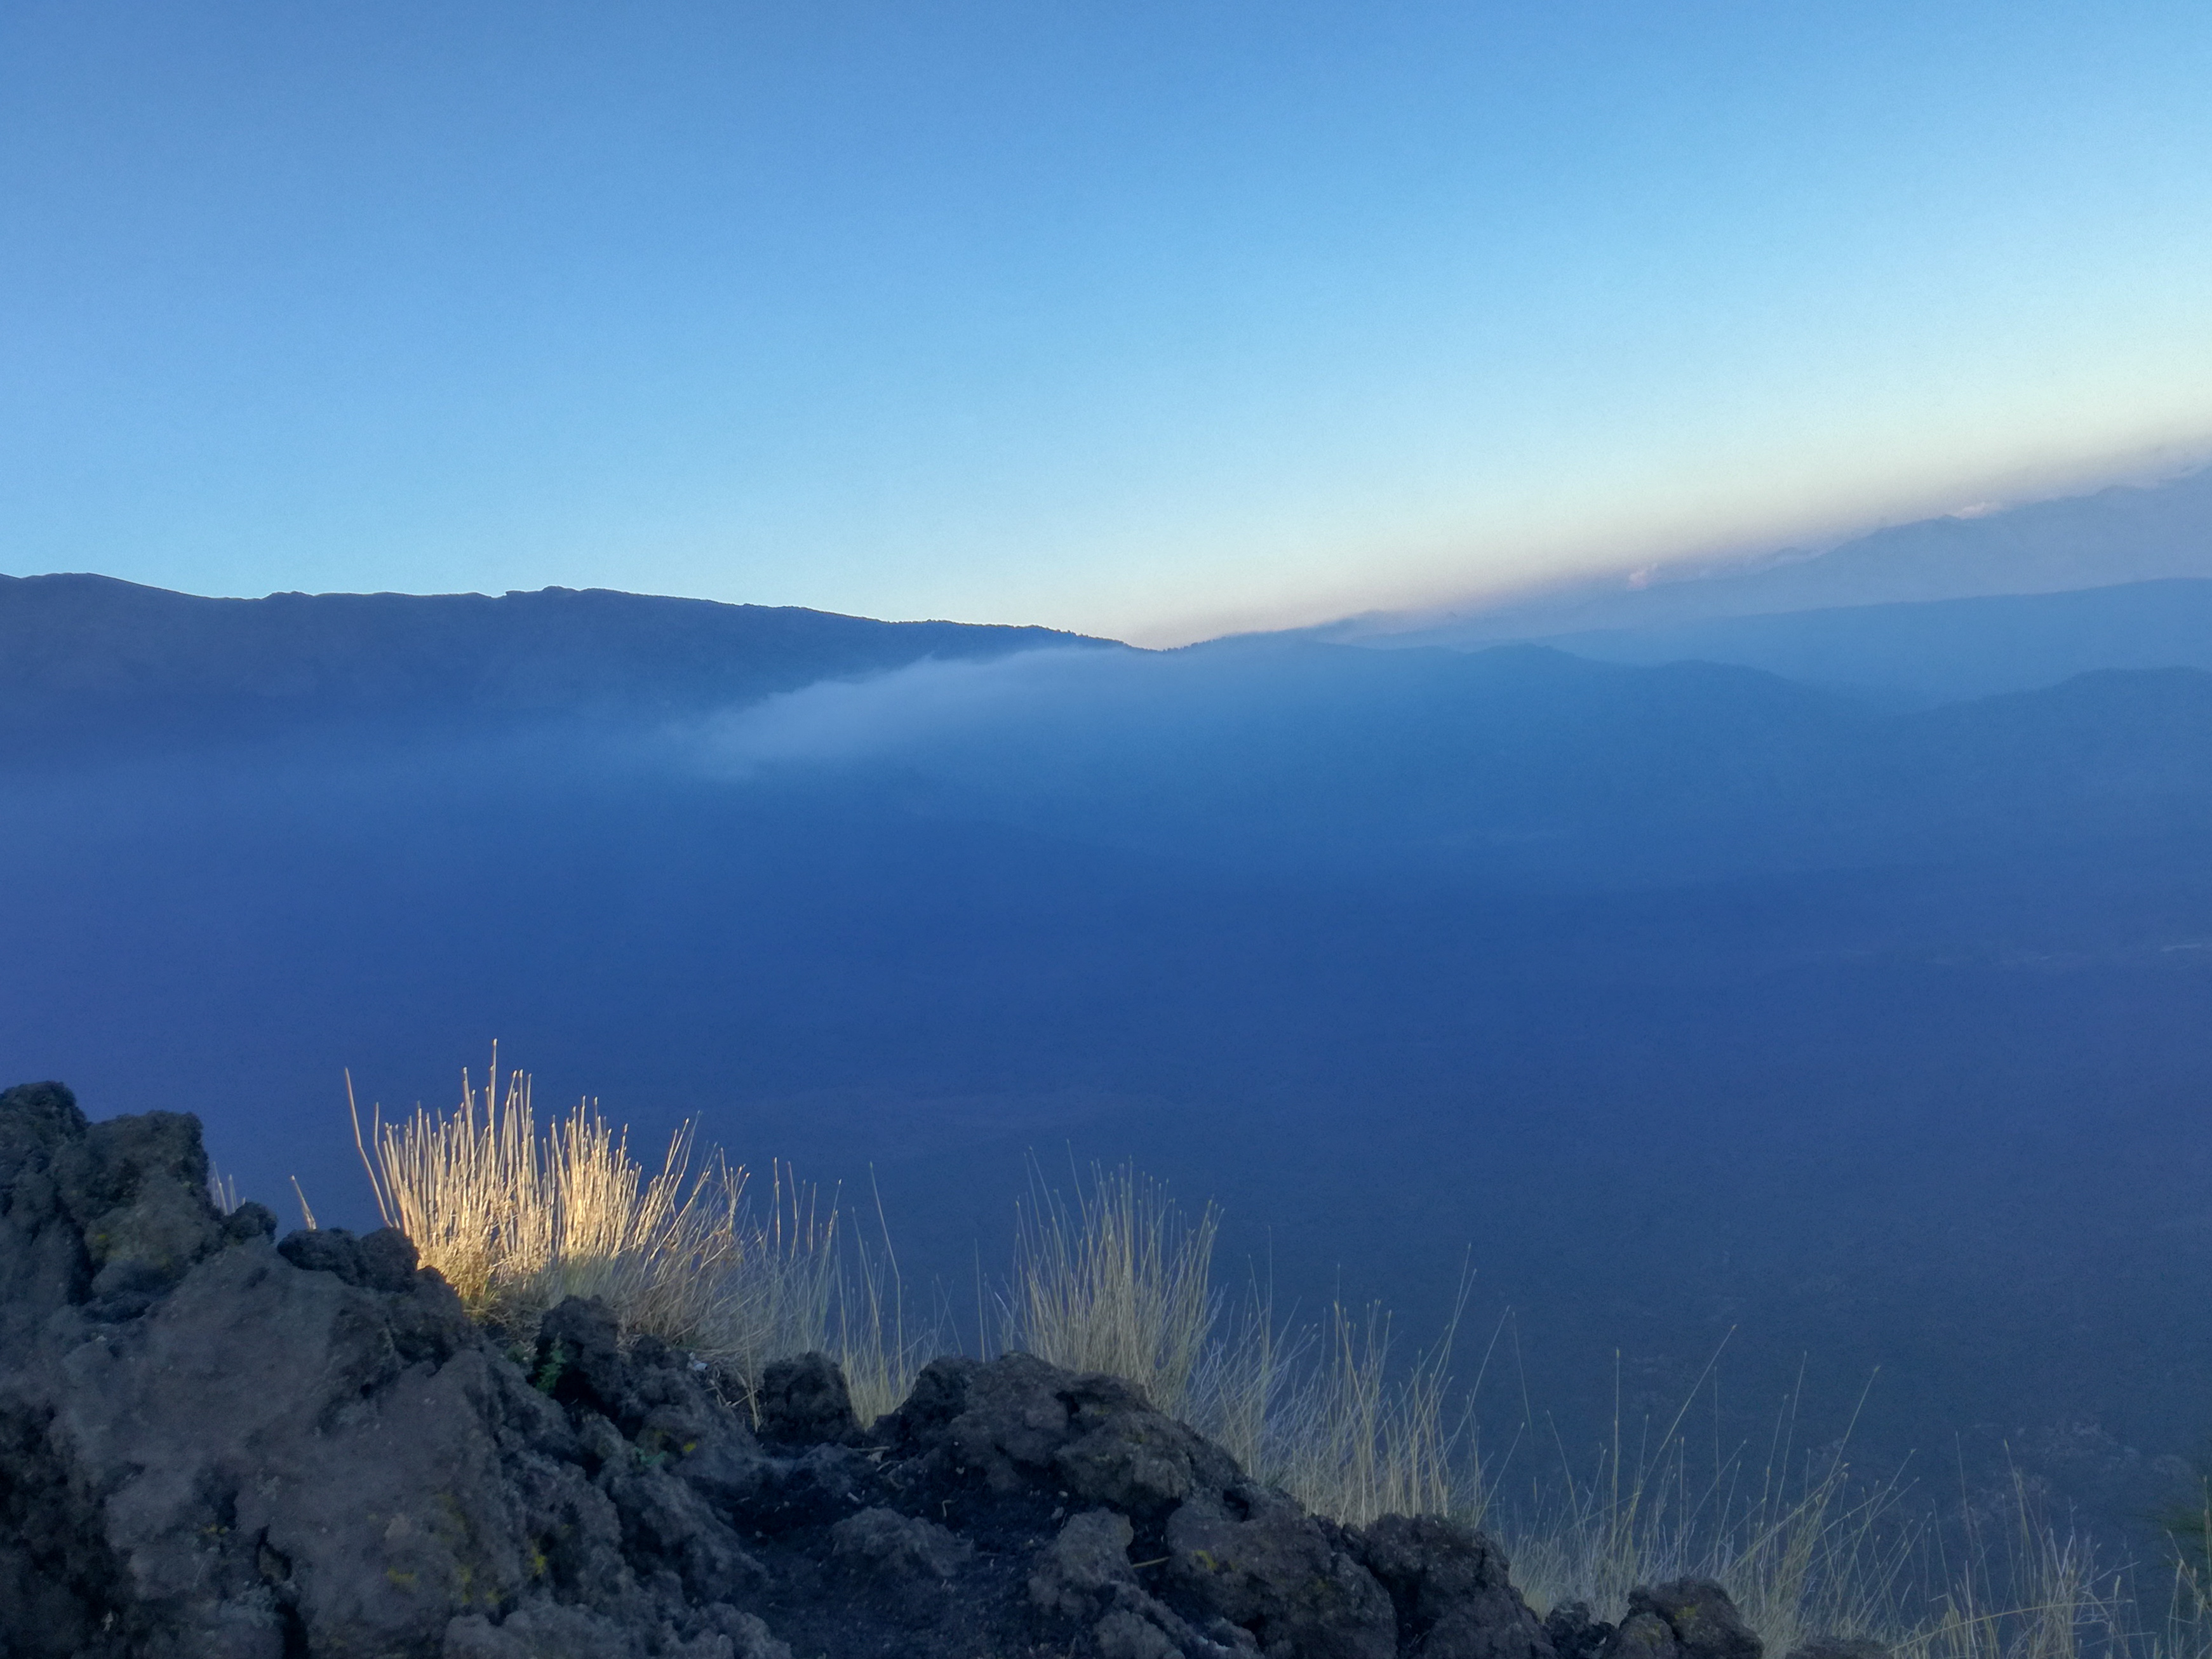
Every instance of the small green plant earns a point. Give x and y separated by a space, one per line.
553 1367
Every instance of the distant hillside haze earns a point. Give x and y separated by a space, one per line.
2125 534
1684 998
1838 977
89 660
1705 751
1508 767
1940 651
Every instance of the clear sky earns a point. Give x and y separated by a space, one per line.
1154 320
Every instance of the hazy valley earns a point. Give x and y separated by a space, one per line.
1676 999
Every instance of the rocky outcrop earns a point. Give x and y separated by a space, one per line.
1682 1619
215 1444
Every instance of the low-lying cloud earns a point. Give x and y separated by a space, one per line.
908 709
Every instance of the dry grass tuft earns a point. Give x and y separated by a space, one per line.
2018 1588
1803 1549
1356 1440
517 1220
1119 1280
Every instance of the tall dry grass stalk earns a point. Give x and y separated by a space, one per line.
1119 1280
2015 1587
1357 1441
516 1219
1803 1549
871 1339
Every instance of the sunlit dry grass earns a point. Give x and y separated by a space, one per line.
516 1219
1121 1280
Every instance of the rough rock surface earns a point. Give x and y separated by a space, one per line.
1574 1633
214 1443
1682 1619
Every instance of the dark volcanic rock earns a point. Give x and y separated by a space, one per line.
384 1260
1574 1633
1642 1635
1018 1424
1449 1586
1259 1561
212 1445
1688 1618
804 1401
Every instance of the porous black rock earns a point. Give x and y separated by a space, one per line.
383 1260
214 1445
1450 1588
804 1401
1682 1619
1573 1632
1253 1559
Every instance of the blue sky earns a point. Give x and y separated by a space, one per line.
1151 320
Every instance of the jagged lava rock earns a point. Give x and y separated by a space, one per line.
1682 1619
1451 1592
1574 1632
212 1443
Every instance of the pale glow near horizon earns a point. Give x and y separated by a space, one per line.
1145 321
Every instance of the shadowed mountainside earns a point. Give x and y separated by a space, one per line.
2124 533
1687 996
1511 765
90 661
1943 649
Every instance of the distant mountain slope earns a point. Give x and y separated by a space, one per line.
2128 533
1673 999
1941 650
1514 764
89 659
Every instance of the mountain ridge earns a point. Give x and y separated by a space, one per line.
2120 533
92 660
1938 650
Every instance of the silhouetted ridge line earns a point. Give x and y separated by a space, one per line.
2125 533
87 659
